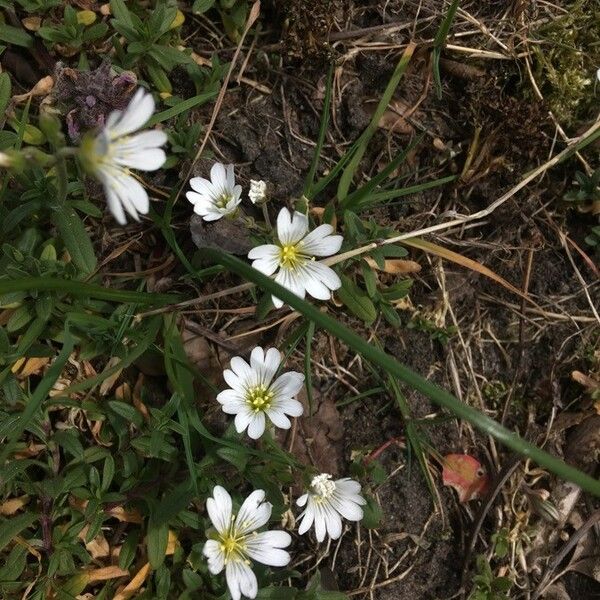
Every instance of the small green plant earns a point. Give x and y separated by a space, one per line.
586 190
486 586
75 31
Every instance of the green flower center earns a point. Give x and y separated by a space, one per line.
223 200
259 398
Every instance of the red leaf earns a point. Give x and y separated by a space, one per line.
466 475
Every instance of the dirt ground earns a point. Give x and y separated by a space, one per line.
513 362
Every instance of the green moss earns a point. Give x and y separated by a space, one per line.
567 56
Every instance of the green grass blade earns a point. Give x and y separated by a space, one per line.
438 44
380 197
395 369
181 107
86 290
310 178
365 137
356 198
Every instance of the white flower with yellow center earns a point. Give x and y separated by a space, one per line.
254 395
326 502
236 541
218 197
111 154
294 257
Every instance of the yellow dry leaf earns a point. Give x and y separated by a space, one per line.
10 507
34 366
125 516
137 397
171 543
42 88
98 547
104 573
18 364
135 584
395 265
110 381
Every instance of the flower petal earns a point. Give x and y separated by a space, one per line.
320 242
240 580
266 547
257 425
214 554
219 509
254 513
291 228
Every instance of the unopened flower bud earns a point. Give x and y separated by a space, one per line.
258 191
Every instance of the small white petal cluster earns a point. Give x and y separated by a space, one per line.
258 191
217 197
326 502
254 396
236 541
114 151
293 257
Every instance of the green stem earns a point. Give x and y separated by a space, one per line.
442 398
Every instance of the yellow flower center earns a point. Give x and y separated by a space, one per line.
231 546
289 256
259 398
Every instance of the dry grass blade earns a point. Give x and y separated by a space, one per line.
469 263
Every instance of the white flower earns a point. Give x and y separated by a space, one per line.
254 394
295 254
258 191
218 197
236 541
325 501
114 151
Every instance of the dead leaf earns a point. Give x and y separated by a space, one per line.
34 366
466 475
395 265
30 451
98 547
110 381
135 584
393 118
318 437
137 398
102 574
10 507
32 23
42 88
118 512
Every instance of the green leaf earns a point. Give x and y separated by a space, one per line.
236 456
15 36
69 440
75 237
10 528
356 300
157 539
372 513
129 549
5 89
119 9
128 412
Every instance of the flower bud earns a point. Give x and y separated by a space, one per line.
258 192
